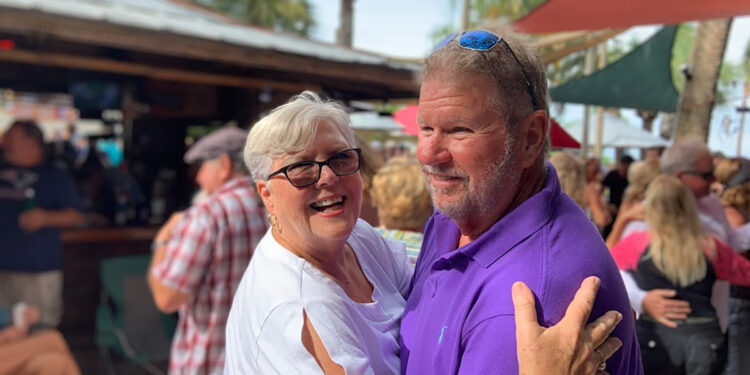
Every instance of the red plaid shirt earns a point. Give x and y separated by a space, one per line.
206 258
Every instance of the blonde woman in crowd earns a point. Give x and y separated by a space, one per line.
570 171
581 182
675 253
403 203
640 175
371 161
593 198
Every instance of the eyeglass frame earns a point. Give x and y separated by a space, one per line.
706 176
320 164
451 37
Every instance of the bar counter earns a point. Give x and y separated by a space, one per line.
83 250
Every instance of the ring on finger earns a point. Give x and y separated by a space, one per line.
603 363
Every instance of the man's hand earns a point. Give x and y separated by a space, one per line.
32 220
658 304
30 315
11 333
165 232
566 348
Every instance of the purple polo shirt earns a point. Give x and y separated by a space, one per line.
459 315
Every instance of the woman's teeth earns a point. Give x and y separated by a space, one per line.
328 204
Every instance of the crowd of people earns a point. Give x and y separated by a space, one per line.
483 253
679 237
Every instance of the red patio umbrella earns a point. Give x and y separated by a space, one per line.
559 138
407 117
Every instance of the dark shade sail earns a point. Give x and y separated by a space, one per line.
642 79
570 15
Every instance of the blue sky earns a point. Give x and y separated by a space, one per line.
402 28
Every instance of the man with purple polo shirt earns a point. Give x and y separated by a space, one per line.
501 216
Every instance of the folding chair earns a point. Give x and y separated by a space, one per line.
127 320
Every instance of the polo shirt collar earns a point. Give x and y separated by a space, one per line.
506 233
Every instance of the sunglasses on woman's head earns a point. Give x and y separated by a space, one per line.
483 41
305 173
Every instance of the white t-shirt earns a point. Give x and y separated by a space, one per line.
264 329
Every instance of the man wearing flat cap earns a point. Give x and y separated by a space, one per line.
200 255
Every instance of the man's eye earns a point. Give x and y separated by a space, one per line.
460 129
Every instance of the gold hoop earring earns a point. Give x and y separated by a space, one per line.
275 223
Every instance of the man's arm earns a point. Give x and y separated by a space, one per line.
167 300
657 303
38 218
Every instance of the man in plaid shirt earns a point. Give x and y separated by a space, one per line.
200 255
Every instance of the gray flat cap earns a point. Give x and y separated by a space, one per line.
227 140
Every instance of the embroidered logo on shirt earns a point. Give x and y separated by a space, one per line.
442 331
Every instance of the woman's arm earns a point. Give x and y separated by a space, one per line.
627 214
734 217
571 346
730 265
599 212
314 345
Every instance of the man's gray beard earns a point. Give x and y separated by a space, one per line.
483 195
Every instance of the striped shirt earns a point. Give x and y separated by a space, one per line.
206 258
412 241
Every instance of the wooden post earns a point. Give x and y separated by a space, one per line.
743 109
588 69
465 15
344 34
600 110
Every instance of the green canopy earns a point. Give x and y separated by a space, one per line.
642 79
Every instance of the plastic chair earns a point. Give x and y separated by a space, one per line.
127 320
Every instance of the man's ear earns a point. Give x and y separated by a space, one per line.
532 135
265 194
225 162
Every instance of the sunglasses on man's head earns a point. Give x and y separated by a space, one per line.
482 41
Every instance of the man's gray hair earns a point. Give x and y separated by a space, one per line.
683 156
291 128
511 97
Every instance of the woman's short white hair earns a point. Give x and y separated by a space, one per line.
290 128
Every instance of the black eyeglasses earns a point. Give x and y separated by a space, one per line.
708 176
482 40
305 173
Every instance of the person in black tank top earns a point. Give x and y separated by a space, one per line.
679 256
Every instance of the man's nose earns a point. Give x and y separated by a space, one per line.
431 150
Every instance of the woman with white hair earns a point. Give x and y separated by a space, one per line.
675 253
323 292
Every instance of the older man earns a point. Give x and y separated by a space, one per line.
501 218
201 255
37 201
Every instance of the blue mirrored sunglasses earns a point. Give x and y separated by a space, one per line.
482 41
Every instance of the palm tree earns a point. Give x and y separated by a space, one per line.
282 15
699 95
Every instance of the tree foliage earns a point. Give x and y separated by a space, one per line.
282 15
